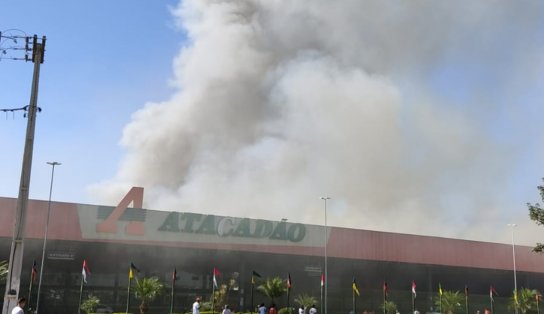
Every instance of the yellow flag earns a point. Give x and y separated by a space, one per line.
354 287
131 270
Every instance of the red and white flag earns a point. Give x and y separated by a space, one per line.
215 273
85 271
34 274
322 280
289 283
414 288
492 292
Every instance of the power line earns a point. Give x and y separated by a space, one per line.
13 110
19 47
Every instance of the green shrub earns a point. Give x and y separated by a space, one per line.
286 310
90 304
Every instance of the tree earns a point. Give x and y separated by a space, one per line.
147 289
220 296
536 213
273 288
90 305
526 301
390 307
3 270
305 300
451 301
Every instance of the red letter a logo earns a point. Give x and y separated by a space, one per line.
109 225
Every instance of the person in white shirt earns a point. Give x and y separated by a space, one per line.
312 310
262 309
301 310
226 310
196 306
19 308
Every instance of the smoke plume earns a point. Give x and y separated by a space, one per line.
281 102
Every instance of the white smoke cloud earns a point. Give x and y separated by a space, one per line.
281 102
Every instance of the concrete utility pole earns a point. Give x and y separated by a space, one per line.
13 280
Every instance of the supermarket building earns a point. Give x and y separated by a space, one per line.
111 238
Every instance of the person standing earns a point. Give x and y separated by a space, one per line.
272 309
312 310
19 308
301 310
196 306
262 309
226 310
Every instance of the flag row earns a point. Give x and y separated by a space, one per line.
85 272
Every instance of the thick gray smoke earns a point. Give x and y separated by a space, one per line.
281 102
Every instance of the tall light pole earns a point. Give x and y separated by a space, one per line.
514 259
326 198
53 164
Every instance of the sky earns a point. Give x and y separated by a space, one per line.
418 117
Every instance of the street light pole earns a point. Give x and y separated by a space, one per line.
514 259
326 198
53 164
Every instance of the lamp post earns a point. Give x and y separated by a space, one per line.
53 164
326 198
514 259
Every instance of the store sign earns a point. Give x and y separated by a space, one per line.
138 222
67 256
233 227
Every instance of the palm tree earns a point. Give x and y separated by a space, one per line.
3 270
147 289
526 302
451 301
305 300
273 288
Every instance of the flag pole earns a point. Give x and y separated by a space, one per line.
440 302
537 305
288 291
173 287
128 291
213 297
413 303
384 303
466 300
384 297
30 292
80 294
252 287
491 299
353 301
322 283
